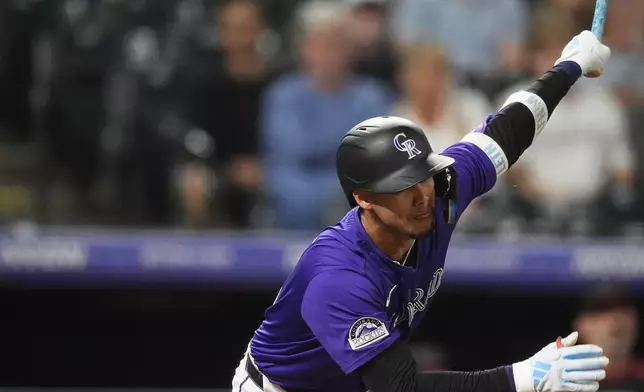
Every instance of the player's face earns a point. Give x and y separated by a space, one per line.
410 212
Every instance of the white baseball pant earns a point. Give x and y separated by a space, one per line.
243 382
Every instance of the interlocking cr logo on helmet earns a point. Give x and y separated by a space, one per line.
386 155
407 145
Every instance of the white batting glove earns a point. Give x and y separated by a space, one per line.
587 51
569 368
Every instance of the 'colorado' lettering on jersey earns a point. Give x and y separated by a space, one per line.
346 302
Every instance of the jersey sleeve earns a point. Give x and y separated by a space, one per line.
491 149
346 313
477 166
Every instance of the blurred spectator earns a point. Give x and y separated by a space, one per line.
581 164
483 38
370 39
226 104
581 11
624 33
445 111
610 319
433 100
305 114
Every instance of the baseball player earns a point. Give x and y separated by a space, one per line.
342 319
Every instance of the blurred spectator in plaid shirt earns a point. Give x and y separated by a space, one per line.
306 113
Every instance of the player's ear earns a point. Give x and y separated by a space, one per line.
362 198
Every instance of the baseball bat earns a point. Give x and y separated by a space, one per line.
599 20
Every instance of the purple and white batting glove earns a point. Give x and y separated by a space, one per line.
568 368
588 52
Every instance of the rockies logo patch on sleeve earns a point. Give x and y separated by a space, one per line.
366 331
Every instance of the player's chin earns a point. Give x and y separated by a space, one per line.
422 225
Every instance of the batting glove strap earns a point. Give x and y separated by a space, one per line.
523 376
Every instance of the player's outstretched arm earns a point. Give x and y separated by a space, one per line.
525 113
567 368
504 136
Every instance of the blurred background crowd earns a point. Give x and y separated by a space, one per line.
213 114
226 114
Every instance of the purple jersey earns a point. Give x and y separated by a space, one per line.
346 301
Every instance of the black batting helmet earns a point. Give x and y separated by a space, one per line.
386 155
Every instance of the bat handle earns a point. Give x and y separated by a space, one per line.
559 342
599 18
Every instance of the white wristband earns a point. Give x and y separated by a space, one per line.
536 105
491 148
523 376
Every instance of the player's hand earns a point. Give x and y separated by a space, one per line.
567 368
587 51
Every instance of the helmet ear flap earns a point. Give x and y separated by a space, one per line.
445 185
441 184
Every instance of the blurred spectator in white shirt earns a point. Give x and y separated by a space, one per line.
432 99
584 150
445 111
483 38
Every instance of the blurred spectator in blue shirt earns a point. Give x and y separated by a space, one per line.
484 38
306 113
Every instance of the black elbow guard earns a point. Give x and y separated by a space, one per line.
392 371
525 113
